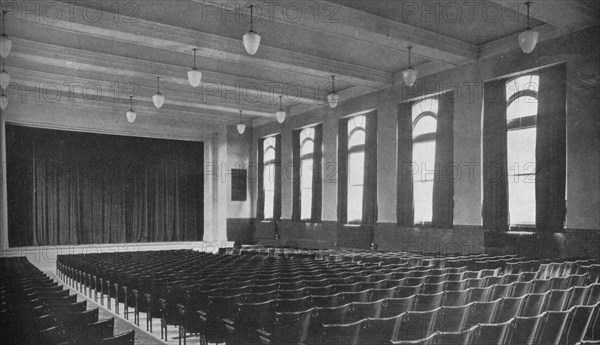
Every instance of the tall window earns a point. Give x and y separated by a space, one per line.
269 176
521 120
356 167
307 150
424 119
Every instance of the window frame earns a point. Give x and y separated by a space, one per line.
303 158
349 151
267 167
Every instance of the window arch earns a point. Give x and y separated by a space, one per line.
269 176
424 129
521 121
307 150
356 167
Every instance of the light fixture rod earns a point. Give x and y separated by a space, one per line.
280 107
157 84
130 103
195 49
3 21
528 3
409 56
333 84
251 17
241 116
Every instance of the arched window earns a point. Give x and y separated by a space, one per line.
269 176
356 167
521 120
424 117
307 150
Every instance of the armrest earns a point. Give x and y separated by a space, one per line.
229 325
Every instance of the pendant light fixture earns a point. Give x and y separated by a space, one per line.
410 74
280 114
131 115
158 99
194 75
4 77
333 98
5 42
251 38
528 38
241 127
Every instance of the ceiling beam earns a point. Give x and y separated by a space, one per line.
567 15
355 25
171 38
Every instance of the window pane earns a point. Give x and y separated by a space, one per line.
356 167
306 203
521 151
521 107
269 196
427 105
426 124
306 166
269 155
307 133
424 158
308 147
521 196
423 199
269 177
355 203
357 138
356 122
526 82
269 142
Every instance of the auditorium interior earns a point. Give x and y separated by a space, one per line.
300 172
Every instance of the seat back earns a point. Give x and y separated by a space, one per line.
509 308
553 327
521 289
424 302
478 294
396 306
525 330
126 338
342 334
557 300
452 318
380 330
492 333
291 327
455 298
579 320
499 291
481 312
363 310
416 325
455 338
99 330
541 285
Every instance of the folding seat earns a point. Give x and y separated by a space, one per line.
475 283
416 325
127 338
455 338
510 278
392 283
326 301
455 298
452 318
341 280
481 312
579 320
293 305
528 276
439 278
218 308
521 289
553 326
593 331
541 285
525 330
509 308
454 276
249 318
342 334
579 296
431 288
424 302
553 270
557 300
414 281
396 306
560 283
489 272
327 316
426 341
594 295
577 280
406 291
377 294
455 285
492 280
264 288
97 330
471 274
321 290
292 294
380 331
478 294
363 310
358 296
492 333
316 283
499 291
260 296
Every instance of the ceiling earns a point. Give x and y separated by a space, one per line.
119 47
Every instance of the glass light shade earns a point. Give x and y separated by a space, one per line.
409 76
241 128
251 42
5 45
158 100
527 40
4 79
3 102
194 77
333 99
131 116
280 115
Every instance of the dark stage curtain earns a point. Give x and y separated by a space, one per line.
495 171
342 183
296 197
260 200
79 188
317 175
443 185
551 151
370 175
404 170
